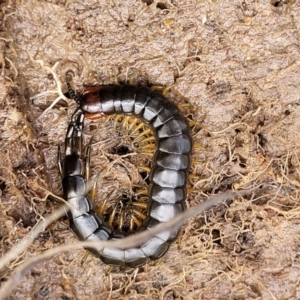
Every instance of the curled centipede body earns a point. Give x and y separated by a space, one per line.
168 176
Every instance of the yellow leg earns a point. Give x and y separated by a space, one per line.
137 222
117 119
141 136
102 207
149 153
198 146
140 126
113 214
145 168
193 176
142 192
184 105
121 221
163 89
87 164
132 80
131 224
138 213
134 217
192 190
150 146
197 161
109 270
93 191
156 262
193 123
124 123
148 139
86 255
140 204
179 241
135 122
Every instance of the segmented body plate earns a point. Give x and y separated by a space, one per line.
168 176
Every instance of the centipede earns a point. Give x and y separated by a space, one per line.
168 177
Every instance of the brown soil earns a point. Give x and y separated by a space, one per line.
236 63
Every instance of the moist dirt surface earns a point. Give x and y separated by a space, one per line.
232 66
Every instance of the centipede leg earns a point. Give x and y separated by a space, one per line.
134 123
113 214
59 162
140 215
92 186
134 220
101 209
142 192
140 136
121 221
145 168
140 205
163 89
88 163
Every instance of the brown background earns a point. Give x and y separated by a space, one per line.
236 63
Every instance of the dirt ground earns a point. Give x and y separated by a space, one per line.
236 63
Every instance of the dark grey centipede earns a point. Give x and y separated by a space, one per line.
168 176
